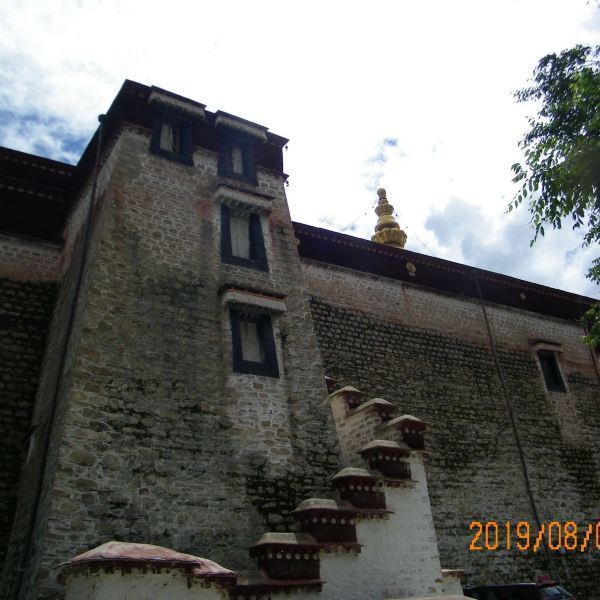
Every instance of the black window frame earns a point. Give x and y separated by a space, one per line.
553 378
228 140
266 339
258 253
176 119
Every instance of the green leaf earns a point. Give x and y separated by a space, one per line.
560 172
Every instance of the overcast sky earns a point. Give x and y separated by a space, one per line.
414 96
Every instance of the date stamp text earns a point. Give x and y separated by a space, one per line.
556 535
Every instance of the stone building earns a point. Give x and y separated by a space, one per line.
167 329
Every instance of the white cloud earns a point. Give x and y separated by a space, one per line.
337 78
465 234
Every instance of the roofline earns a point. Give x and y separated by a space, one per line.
37 161
130 84
154 88
327 242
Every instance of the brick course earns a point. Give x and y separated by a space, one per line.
28 260
428 353
25 310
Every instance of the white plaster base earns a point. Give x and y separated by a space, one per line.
399 558
137 585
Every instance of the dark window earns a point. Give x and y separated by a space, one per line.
242 240
236 156
253 344
552 377
172 136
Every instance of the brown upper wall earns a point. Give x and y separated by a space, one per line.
35 195
435 273
131 105
38 193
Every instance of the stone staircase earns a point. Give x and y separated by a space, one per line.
374 538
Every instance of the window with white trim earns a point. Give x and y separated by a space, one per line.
236 156
172 136
242 241
253 343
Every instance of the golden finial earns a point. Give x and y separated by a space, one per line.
387 231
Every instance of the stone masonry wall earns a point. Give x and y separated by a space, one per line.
28 272
22 569
28 260
160 442
429 353
25 309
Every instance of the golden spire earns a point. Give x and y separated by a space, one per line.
387 231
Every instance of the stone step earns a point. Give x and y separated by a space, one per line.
359 487
377 406
388 457
287 556
411 430
254 585
327 522
349 396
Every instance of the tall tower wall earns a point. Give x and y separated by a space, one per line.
159 435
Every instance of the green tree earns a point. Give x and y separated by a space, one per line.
560 174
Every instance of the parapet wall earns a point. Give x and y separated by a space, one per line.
429 353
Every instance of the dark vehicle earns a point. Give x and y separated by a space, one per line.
519 591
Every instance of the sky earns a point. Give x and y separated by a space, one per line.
413 96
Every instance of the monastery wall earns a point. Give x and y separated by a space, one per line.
429 353
28 272
143 429
22 567
156 439
28 260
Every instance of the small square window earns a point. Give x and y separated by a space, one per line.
551 371
236 157
242 240
172 138
253 344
